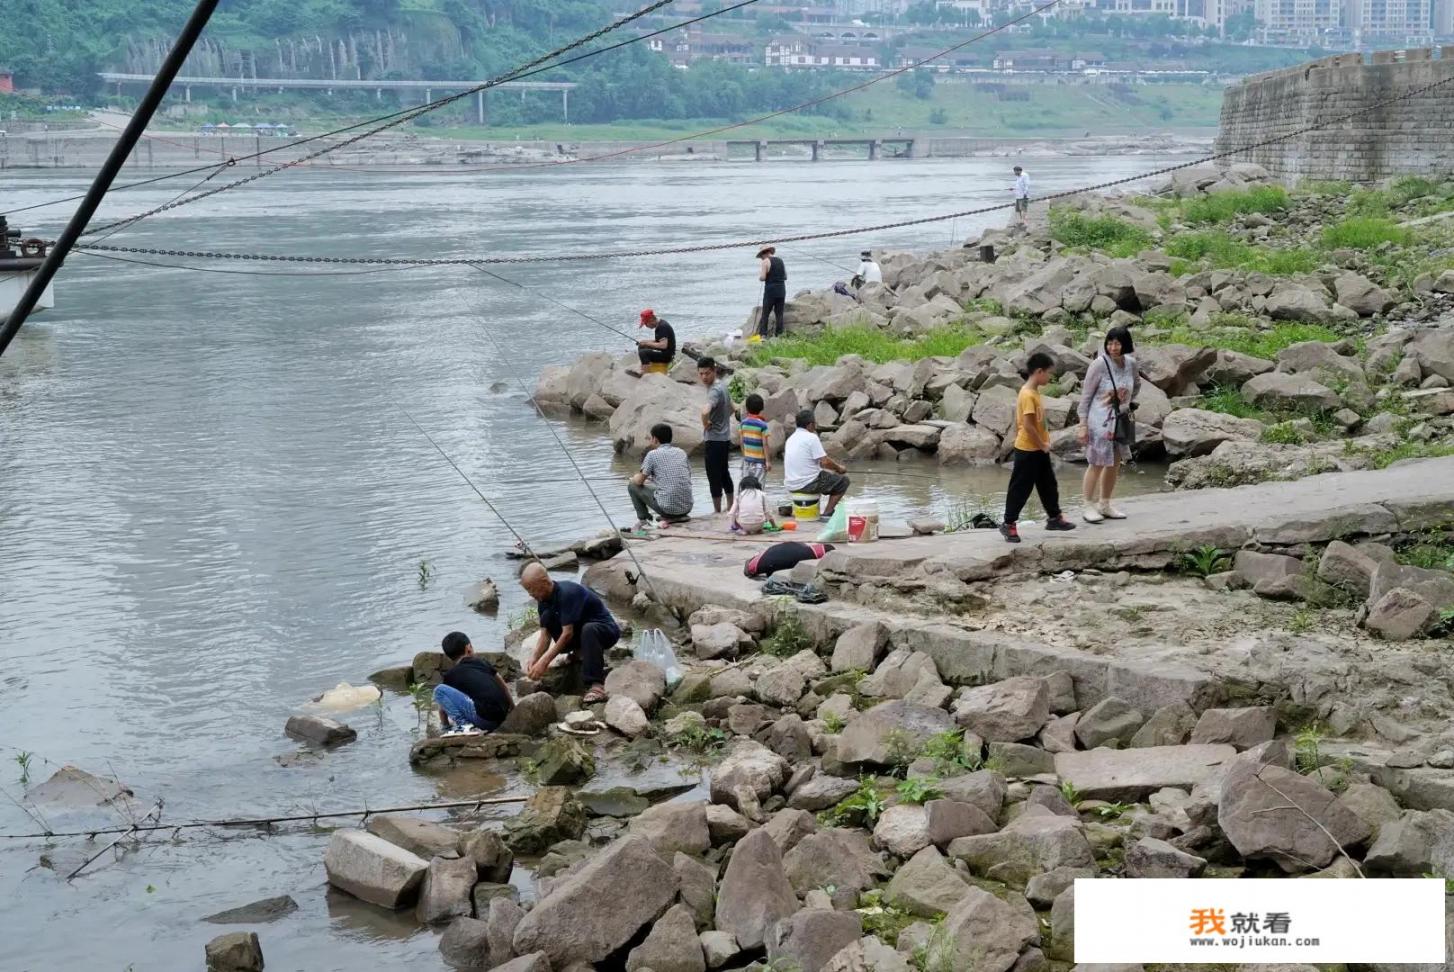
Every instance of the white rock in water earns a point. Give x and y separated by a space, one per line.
486 600
343 697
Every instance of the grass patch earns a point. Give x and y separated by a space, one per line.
827 346
1364 233
1383 458
1228 400
1217 249
1257 343
1108 234
1223 207
1433 551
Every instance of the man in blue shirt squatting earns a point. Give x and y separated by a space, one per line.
573 621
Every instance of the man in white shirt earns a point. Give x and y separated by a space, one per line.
807 467
1021 189
868 271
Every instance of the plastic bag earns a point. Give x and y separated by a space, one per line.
836 529
653 646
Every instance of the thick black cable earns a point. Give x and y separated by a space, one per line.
243 273
799 238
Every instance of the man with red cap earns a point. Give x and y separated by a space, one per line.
657 353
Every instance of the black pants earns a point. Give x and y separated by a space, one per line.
1032 470
654 355
719 476
773 299
594 638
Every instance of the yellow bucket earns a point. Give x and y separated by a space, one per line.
655 368
805 506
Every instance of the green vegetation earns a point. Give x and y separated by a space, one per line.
950 754
1223 207
830 344
698 739
1107 233
1219 250
919 789
1233 332
1228 400
883 920
426 574
833 723
1383 458
1283 433
1432 551
22 759
1071 794
862 808
788 636
1206 560
1114 811
1364 233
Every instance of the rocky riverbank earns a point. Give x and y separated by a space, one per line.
1278 335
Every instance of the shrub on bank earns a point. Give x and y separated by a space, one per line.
1108 234
1223 207
830 344
1219 250
1364 233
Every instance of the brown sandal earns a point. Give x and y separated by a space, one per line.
593 696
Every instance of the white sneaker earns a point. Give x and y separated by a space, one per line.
1091 515
1110 512
461 730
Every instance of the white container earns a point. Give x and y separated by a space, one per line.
862 521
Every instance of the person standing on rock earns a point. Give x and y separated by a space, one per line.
573 621
1021 189
716 433
774 276
807 467
1032 469
664 484
473 698
661 348
1106 401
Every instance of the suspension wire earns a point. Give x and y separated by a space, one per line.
521 73
582 257
226 163
524 545
245 273
585 480
262 821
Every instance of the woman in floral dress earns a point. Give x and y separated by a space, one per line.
1110 387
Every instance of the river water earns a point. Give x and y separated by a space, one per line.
212 507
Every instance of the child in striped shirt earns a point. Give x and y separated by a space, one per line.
756 451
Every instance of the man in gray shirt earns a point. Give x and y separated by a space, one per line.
669 489
716 433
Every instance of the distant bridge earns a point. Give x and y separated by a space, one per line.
378 87
875 146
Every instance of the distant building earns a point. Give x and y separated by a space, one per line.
1402 21
800 51
1297 21
1444 18
686 46
1029 60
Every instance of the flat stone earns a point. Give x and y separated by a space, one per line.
948 819
423 837
319 730
618 801
875 735
371 868
1109 720
673 827
1133 774
1242 728
1034 842
821 792
256 913
1169 725
1152 858
833 857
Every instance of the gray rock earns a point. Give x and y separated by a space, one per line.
1292 301
860 647
594 911
809 939
552 814
1062 926
903 830
422 837
697 887
1196 432
465 944
899 674
501 921
673 827
1265 572
672 945
926 885
1033 842
1169 725
1400 614
1058 736
445 893
1051 799
1007 711
788 826
1017 761
371 868
235 952
1434 586
1133 774
718 948
833 857
1109 720
638 680
721 640
1372 804
750 774
532 716
617 801
1242 728
725 824
1417 843
319 730
790 739
868 954
1043 889
985 933
1268 812
1279 390
256 913
755 893
625 716
948 819
1320 360
493 860
781 686
1361 295
1347 567
876 735
1152 858
983 789
534 962
821 792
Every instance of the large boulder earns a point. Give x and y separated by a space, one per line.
586 376
1434 352
969 445
371 868
423 837
749 775
1345 566
593 912
926 885
1134 774
1319 359
878 735
466 944
1272 813
808 939
985 933
445 893
1244 728
673 827
1005 711
1034 842
755 893
833 857
1292 301
903 829
860 647
868 954
1174 368
638 680
672 945
1434 586
1280 390
1400 614
1196 432
1361 295
1235 368
1417 843
657 398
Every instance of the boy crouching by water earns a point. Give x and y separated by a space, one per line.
473 698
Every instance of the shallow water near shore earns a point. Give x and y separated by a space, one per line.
213 508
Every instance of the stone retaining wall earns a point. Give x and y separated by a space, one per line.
1413 136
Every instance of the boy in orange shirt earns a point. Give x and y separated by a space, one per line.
1032 468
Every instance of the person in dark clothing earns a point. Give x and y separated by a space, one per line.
1032 468
573 620
661 349
774 276
716 433
473 697
784 556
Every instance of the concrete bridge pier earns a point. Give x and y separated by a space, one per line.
817 147
873 149
759 148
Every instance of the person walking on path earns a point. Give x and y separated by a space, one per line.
774 276
1021 189
573 621
664 484
661 348
1106 401
1032 469
716 433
